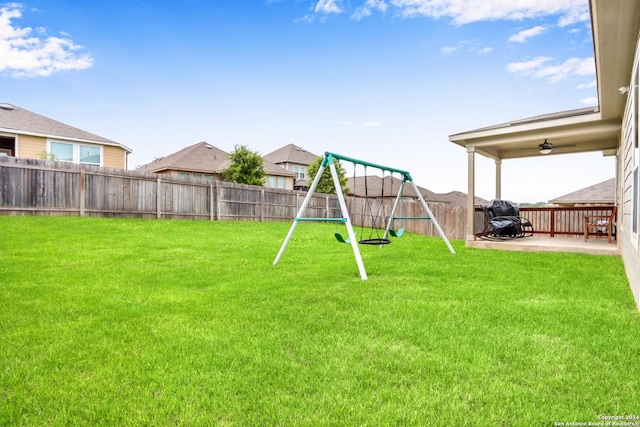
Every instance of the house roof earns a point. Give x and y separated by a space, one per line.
572 131
14 119
615 27
458 198
601 193
204 158
200 157
291 153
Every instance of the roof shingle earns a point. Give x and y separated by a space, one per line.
18 120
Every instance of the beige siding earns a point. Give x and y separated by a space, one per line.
629 243
31 147
114 157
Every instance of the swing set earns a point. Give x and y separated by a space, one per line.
329 160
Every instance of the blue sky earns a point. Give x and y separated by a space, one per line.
381 80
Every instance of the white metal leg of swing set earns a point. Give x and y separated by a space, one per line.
347 220
426 208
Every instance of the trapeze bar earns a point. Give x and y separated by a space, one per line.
411 217
328 155
322 219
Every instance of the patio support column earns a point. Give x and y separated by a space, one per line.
498 179
471 193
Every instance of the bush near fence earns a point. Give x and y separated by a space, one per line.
40 187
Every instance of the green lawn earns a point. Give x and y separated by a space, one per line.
148 322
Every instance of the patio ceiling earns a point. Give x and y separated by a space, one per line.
575 131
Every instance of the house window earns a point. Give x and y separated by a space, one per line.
299 171
276 182
90 154
196 175
76 153
62 151
208 177
184 174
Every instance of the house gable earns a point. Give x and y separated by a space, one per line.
27 134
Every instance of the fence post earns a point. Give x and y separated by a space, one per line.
82 192
218 201
211 202
262 205
326 206
159 199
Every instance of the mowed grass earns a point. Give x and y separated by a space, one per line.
147 322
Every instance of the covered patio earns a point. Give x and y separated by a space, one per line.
598 246
568 132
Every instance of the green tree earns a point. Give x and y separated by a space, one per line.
325 185
246 167
46 155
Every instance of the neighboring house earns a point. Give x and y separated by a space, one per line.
613 127
375 189
603 193
459 199
392 185
294 159
30 135
203 160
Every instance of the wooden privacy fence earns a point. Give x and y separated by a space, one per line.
39 187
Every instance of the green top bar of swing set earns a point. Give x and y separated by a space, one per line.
329 158
321 219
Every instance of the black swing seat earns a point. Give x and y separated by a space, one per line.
377 241
503 222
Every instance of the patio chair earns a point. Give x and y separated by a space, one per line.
602 224
503 221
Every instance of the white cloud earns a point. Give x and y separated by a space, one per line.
523 35
369 6
469 46
463 12
328 6
592 83
539 68
467 11
449 49
527 67
590 101
23 55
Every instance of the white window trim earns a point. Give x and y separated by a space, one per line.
76 151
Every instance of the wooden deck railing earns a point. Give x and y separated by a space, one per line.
555 221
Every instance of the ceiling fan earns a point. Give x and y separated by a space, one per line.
546 147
